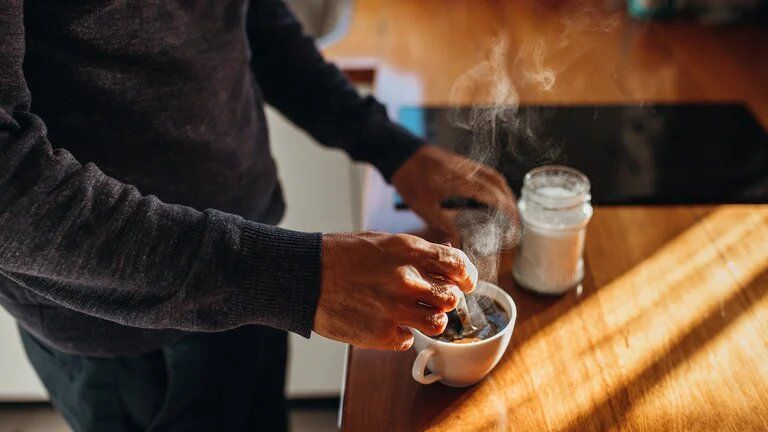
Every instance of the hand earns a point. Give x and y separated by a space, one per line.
372 284
432 174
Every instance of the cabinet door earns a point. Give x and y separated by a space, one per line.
318 187
18 381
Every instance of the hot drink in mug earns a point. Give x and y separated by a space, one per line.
460 361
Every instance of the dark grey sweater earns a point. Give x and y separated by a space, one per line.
121 122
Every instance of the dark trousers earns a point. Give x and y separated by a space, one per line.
228 381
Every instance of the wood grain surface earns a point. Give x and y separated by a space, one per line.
670 328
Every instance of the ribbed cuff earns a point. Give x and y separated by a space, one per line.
279 273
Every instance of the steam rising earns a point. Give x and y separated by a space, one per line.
494 87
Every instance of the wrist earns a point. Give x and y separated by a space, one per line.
333 257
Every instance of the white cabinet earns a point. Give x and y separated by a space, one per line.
18 381
319 189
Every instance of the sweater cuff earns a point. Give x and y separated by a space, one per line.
279 272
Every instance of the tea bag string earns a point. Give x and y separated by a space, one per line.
462 310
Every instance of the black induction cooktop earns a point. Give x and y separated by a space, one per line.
649 154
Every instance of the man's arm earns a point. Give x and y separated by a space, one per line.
315 95
90 243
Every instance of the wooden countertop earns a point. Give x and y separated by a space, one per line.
670 330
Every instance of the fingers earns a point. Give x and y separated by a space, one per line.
437 294
421 305
492 195
426 273
494 177
449 263
428 321
452 264
402 339
489 187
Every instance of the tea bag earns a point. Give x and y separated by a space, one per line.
462 311
486 319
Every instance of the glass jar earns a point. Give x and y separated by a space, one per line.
555 210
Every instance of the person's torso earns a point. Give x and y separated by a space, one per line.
158 94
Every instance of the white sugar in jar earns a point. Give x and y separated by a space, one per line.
555 209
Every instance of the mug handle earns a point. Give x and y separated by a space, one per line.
420 366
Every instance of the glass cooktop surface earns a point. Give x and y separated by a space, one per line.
652 154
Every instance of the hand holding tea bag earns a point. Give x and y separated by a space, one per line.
375 285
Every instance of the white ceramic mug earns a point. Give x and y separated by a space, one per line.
461 365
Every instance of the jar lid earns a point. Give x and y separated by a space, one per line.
556 187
